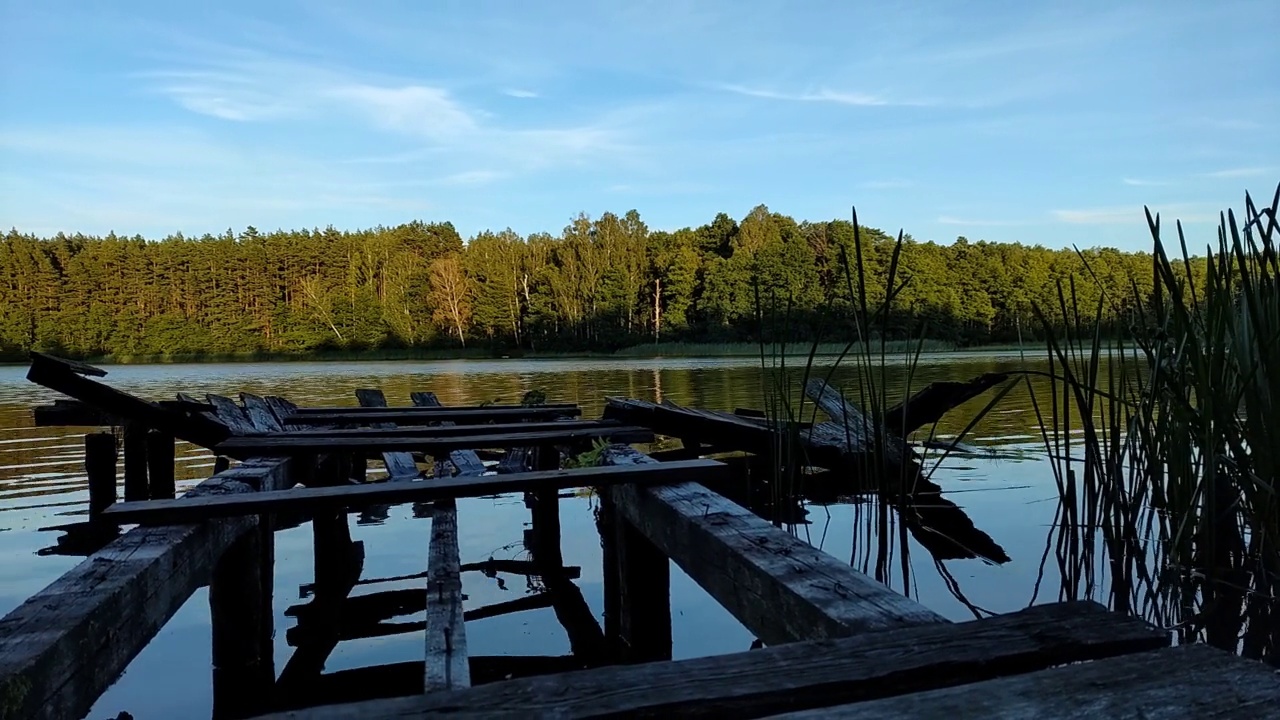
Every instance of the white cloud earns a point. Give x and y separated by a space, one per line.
473 177
1133 214
822 95
519 93
414 109
1239 172
1138 182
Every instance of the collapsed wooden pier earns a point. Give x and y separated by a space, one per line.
836 642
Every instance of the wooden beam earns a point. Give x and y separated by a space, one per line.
804 675
399 464
161 459
71 413
282 444
100 467
69 642
1191 681
780 587
55 375
135 461
444 429
427 409
405 417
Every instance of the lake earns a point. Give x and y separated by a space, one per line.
1008 491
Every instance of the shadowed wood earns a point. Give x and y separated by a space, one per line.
1190 681
935 400
230 414
428 409
363 616
70 413
407 417
135 461
100 467
444 429
281 444
800 675
465 461
58 375
399 464
779 587
69 642
259 413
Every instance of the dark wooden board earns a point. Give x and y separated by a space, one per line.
282 444
428 409
188 509
71 413
407 417
1191 682
69 642
400 465
801 675
445 429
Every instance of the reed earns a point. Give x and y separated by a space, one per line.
1162 443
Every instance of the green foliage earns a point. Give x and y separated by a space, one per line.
603 284
590 458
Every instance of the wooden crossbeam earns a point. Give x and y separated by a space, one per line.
189 509
284 444
470 416
804 675
428 409
447 429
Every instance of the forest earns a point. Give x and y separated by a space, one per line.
601 284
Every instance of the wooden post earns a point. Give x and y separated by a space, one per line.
644 596
160 462
221 464
135 461
100 466
242 621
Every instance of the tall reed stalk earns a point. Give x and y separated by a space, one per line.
1163 442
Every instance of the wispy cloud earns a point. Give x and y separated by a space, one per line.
823 95
414 109
1238 172
892 184
519 93
473 177
1132 214
1139 182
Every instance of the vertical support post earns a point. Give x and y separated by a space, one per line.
135 461
606 523
240 597
546 512
100 466
221 464
160 461
644 596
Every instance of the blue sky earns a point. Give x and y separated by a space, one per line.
1048 123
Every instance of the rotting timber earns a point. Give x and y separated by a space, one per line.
838 643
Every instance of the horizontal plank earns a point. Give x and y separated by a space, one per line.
69 642
185 509
476 409
71 413
780 587
799 675
427 431
1190 681
413 417
284 444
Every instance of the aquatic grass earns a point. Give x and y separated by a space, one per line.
1167 471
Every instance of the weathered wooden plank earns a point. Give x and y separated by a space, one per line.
67 643
406 417
800 675
781 588
1190 681
930 404
54 374
446 644
364 616
281 444
135 461
399 464
282 409
188 509
259 413
428 409
490 568
444 429
230 414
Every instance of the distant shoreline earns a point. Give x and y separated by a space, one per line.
931 348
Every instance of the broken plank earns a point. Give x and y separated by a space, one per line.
407 417
399 464
780 587
931 403
465 461
71 413
280 444
428 409
800 675
446 658
259 413
1191 681
69 642
230 414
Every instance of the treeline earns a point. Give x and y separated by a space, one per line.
600 284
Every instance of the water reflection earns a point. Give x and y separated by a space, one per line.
1001 481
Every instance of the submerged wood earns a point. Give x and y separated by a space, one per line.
935 400
802 675
69 642
406 417
778 586
282 444
1191 681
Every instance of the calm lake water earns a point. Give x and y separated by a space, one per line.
1009 493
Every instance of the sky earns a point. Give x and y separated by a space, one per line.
1042 123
